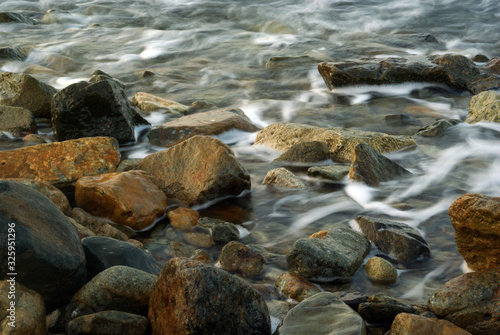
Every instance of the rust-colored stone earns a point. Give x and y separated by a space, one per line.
319 234
295 287
237 257
183 218
411 324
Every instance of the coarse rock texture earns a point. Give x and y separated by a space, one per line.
61 164
108 323
295 287
194 298
397 240
380 270
104 252
101 226
382 309
220 230
476 219
321 314
493 66
27 315
14 53
183 218
282 177
201 255
10 17
335 255
330 172
437 129
240 258
197 170
456 71
22 90
199 237
87 110
306 152
341 141
129 198
148 103
49 257
484 107
372 168
411 324
208 123
470 301
17 120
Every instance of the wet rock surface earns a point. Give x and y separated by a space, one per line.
484 107
382 308
100 226
411 324
437 129
380 270
240 258
331 172
183 218
282 177
220 230
306 152
108 323
17 120
148 103
295 287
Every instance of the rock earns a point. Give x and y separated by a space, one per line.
278 308
99 226
382 309
22 90
352 299
470 301
476 219
341 141
331 172
183 218
104 252
282 177
197 170
335 256
453 70
82 230
480 58
208 123
411 324
87 110
27 315
397 240
372 168
9 17
493 66
401 120
194 298
282 62
127 198
201 255
380 270
199 238
437 129
237 257
220 230
306 152
17 120
323 313
49 256
148 103
61 164
98 75
16 54
295 287
108 323
485 82
484 107
128 164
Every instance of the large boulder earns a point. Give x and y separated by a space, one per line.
108 323
484 107
330 256
476 219
396 240
340 141
411 324
22 90
194 298
87 110
17 120
61 164
49 256
208 123
197 170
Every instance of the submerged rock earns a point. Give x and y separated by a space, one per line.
240 258
148 103
9 17
484 107
108 323
18 54
295 287
220 230
411 324
282 177
306 152
183 218
382 308
17 120
331 172
437 128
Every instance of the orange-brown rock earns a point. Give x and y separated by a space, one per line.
61 163
411 324
100 226
476 219
295 287
129 198
183 218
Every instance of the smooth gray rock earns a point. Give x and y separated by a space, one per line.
220 230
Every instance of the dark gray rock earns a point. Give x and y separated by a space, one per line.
437 129
306 152
237 257
10 17
396 240
382 308
14 53
108 323
220 230
17 121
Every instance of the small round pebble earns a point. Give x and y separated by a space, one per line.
380 270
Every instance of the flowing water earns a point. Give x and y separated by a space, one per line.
216 51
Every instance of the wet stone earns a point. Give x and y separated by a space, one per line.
9 17
382 308
484 107
240 258
411 324
148 103
438 128
493 66
199 237
16 120
380 270
202 256
330 172
99 226
306 152
220 230
183 218
282 177
295 287
108 323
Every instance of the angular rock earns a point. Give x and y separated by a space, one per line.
88 110
49 256
104 252
237 257
8 17
382 308
306 152
197 170
372 168
470 301
208 123
201 255
108 323
341 141
476 219
220 230
128 198
99 226
493 65
411 324
456 71
17 120
61 164
282 177
396 240
27 316
380 270
148 103
295 287
22 90
485 82
334 256
484 107
331 172
183 218
194 298
437 129
323 313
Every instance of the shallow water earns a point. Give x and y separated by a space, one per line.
216 51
